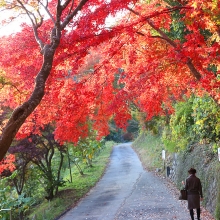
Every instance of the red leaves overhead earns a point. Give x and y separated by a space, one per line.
98 72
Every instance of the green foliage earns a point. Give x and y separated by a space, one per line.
118 135
156 125
72 192
196 119
19 204
133 127
178 28
86 150
206 114
131 131
46 175
33 198
179 133
5 193
170 146
115 133
215 147
33 183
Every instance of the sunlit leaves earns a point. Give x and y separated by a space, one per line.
154 51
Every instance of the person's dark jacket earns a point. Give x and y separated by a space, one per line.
193 185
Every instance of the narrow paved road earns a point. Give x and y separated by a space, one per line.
128 192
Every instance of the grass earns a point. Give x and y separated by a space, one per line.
73 192
149 148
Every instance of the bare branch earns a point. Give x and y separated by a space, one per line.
66 4
58 14
71 15
4 83
48 12
41 19
35 25
71 7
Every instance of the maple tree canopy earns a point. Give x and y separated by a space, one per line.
70 68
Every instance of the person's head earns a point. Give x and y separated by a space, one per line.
192 171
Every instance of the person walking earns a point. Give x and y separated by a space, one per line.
194 193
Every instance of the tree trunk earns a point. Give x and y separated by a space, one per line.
58 173
21 113
69 164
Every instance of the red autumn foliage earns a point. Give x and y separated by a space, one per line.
76 80
6 165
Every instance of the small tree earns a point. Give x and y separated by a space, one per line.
46 154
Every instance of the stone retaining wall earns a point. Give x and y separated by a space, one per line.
207 165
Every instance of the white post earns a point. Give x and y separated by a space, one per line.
219 153
164 157
163 154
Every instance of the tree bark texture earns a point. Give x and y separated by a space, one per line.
20 114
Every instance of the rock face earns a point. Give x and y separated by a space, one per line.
202 158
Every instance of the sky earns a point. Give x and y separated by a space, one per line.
10 28
14 26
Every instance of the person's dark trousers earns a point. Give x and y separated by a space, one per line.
191 214
197 212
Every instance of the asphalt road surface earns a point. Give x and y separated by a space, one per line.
128 192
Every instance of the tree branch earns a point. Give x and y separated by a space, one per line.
163 35
71 15
35 24
20 114
48 12
66 4
71 7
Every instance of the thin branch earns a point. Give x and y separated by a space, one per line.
164 36
28 13
41 19
189 63
71 15
66 4
58 15
3 82
71 7
48 12
34 25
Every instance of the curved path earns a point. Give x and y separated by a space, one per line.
128 192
